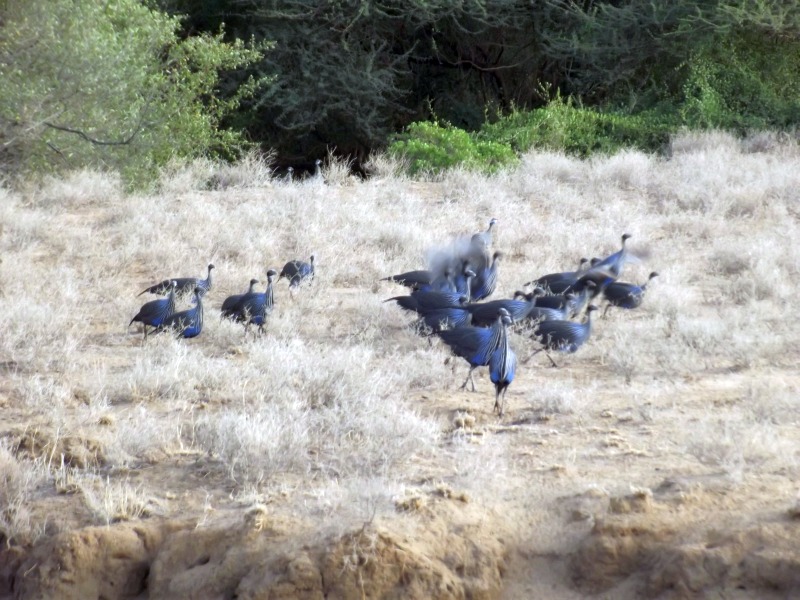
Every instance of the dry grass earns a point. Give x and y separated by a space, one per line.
341 407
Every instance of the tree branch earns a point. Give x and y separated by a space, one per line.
124 142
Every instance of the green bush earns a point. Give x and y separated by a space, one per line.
744 81
111 85
561 125
431 148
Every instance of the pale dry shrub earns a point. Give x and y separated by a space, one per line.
142 434
774 402
738 446
73 190
112 501
253 170
627 169
337 171
382 166
698 142
341 503
19 482
343 420
255 445
563 397
180 176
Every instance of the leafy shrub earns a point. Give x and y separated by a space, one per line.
744 81
111 85
431 147
562 125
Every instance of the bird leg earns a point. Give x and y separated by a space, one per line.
606 310
534 353
469 379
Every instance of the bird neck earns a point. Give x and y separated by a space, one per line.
268 293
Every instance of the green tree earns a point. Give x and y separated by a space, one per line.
111 85
350 74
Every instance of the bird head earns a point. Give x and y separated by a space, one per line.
210 266
492 223
653 274
312 258
497 256
253 282
271 274
625 236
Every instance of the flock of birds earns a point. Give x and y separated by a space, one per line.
249 308
446 297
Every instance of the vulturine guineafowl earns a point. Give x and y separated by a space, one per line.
230 307
297 272
502 365
187 323
563 336
412 279
626 295
154 313
558 283
484 238
615 262
476 344
185 285
255 308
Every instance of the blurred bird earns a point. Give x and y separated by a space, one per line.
572 302
476 345
558 283
230 306
422 302
484 238
186 323
185 285
154 313
502 365
297 272
626 295
412 279
317 176
486 280
614 262
563 336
